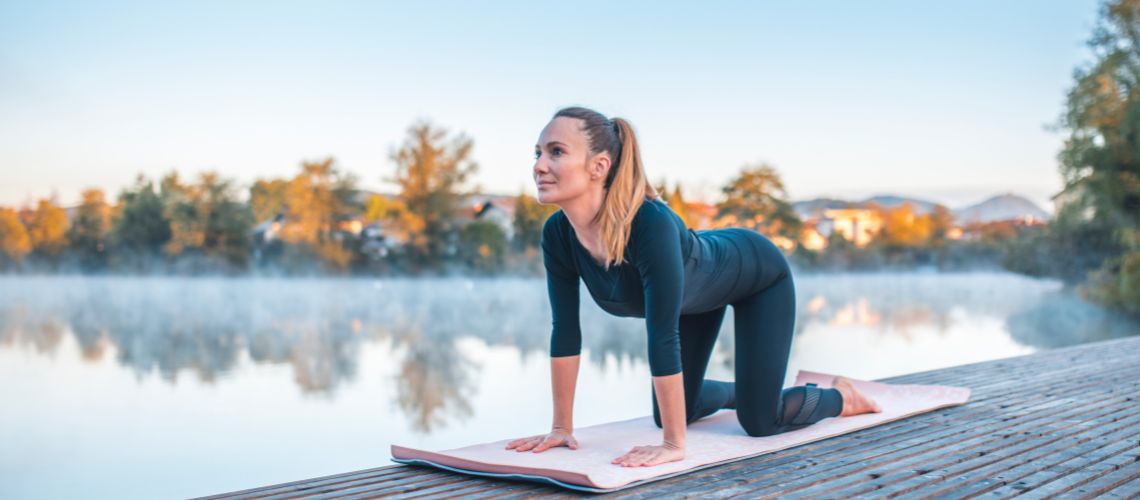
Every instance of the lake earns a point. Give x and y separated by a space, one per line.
144 387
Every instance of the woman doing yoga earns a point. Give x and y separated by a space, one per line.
638 259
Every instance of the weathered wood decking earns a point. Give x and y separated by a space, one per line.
1063 422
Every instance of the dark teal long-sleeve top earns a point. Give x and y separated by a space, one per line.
669 270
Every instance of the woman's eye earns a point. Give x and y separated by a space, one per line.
557 151
537 154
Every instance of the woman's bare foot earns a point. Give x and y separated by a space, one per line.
854 402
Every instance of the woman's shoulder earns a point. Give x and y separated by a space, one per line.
553 221
554 228
654 212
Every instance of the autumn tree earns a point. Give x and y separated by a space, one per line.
90 228
903 228
757 199
941 222
317 200
530 215
267 198
432 170
675 200
677 203
14 240
398 222
207 220
47 228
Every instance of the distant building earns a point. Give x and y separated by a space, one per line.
269 230
858 225
375 242
499 209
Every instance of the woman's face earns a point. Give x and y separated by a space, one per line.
563 165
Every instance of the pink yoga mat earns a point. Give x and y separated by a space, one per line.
713 440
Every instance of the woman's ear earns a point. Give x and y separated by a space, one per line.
600 167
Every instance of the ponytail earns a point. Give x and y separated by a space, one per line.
626 187
629 187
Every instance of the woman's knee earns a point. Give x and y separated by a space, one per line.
759 429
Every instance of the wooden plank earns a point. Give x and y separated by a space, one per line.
1057 422
949 431
956 479
922 457
1025 477
825 463
265 491
1075 483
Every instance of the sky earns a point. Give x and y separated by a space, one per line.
945 101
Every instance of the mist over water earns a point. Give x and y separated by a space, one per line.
175 387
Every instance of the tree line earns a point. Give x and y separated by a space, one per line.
174 225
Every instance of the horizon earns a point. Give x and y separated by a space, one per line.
837 99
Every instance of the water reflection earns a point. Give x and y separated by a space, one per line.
205 327
434 382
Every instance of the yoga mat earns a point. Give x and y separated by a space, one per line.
713 440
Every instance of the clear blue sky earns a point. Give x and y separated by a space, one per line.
942 100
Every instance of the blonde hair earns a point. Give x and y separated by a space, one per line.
626 187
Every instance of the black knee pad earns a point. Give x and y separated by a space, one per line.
801 404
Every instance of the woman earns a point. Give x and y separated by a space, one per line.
638 259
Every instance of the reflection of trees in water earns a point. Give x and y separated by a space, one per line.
1037 312
319 326
434 380
897 303
200 325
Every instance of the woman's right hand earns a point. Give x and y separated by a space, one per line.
543 442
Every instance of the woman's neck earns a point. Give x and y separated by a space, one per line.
581 211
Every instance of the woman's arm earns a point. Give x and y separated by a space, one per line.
566 333
670 391
565 339
660 263
563 379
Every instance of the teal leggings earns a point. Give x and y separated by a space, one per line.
765 323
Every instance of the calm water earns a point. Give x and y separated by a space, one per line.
156 387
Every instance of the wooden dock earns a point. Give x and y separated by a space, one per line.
1064 422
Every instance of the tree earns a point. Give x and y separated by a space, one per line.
14 240
941 222
758 200
432 171
207 220
142 228
675 200
483 245
47 228
1100 161
530 215
902 228
90 228
267 198
677 203
317 200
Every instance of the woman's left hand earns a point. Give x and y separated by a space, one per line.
650 455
